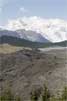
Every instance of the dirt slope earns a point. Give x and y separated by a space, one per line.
29 69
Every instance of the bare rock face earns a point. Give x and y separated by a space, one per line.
29 69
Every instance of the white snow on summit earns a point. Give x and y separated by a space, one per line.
54 30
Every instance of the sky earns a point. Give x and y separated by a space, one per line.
12 9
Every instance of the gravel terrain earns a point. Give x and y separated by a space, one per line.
26 70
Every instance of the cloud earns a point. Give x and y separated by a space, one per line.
23 10
54 30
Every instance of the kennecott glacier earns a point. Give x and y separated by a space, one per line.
54 30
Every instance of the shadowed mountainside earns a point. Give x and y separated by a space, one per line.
22 42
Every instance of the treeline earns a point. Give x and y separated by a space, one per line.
25 43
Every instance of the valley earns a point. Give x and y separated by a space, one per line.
26 69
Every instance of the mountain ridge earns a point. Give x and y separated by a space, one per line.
55 30
22 42
23 34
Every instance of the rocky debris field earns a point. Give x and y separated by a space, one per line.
26 70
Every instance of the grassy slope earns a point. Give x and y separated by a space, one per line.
6 48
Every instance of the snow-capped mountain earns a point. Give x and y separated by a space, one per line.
54 30
37 29
31 35
23 34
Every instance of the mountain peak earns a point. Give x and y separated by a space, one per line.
55 30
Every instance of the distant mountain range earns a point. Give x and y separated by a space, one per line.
15 41
54 30
23 34
27 38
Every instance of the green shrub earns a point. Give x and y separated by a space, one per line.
35 94
7 95
46 94
64 94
